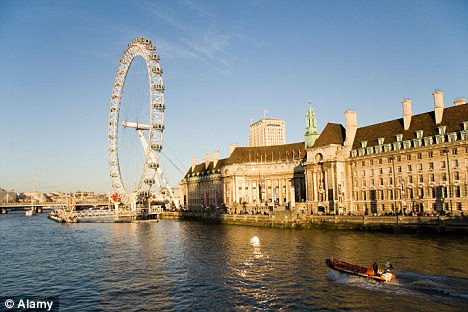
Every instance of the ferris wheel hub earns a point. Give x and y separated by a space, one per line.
135 125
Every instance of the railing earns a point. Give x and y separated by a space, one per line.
102 213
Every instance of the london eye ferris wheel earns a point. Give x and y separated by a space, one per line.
136 117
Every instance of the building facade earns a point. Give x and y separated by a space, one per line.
417 163
267 132
250 180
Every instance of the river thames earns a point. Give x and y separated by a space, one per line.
189 265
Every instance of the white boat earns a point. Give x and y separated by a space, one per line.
30 213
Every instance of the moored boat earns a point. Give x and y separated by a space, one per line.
30 213
62 216
369 272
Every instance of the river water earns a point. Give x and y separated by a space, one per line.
189 265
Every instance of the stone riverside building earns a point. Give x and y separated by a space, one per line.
415 163
251 179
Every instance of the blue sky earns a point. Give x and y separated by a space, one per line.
223 61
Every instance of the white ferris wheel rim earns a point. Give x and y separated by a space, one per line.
144 48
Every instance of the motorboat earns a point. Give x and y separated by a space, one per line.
371 272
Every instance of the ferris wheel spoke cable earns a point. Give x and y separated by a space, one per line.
164 154
180 163
134 98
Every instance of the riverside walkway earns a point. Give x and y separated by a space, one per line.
288 219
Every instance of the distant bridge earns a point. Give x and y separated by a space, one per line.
144 213
52 205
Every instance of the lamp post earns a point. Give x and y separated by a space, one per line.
446 152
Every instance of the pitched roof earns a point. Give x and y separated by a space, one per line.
255 154
267 153
452 118
332 134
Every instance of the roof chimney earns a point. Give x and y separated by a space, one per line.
194 163
351 127
207 161
232 148
407 113
438 105
459 101
215 158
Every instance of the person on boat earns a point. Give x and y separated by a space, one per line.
388 266
375 266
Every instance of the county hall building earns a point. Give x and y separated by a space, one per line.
417 163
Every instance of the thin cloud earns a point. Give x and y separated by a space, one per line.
172 50
167 16
197 7
197 42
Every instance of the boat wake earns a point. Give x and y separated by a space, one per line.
438 288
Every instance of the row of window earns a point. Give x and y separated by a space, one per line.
399 158
410 179
409 168
433 192
417 207
419 142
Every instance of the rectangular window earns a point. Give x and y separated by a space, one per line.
431 177
419 155
410 179
398 158
431 166
430 154
443 176
456 175
421 178
410 168
454 151
371 162
455 163
380 161
408 157
442 164
399 169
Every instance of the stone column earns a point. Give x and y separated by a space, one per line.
325 186
224 193
234 189
334 186
315 186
